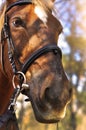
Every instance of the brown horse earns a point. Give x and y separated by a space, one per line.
31 60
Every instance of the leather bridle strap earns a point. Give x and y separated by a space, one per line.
48 48
8 115
19 3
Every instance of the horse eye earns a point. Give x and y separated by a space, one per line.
18 22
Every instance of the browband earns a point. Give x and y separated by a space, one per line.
19 3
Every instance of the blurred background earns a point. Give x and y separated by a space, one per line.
72 41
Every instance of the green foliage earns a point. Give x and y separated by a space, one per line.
82 101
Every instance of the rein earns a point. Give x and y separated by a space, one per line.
6 117
6 34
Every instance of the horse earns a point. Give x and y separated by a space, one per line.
31 62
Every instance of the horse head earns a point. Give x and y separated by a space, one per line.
31 35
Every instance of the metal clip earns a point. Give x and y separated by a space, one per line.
14 98
24 85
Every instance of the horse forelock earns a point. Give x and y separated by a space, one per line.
42 7
46 4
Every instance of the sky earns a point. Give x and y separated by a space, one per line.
1 1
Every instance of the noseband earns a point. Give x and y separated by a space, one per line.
6 34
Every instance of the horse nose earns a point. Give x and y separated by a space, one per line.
57 95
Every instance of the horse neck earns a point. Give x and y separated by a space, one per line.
6 90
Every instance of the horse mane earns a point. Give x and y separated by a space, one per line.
46 4
2 12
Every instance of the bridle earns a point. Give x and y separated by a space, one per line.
6 34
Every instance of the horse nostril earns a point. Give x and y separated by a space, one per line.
50 94
52 97
47 95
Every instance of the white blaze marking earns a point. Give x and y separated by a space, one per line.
40 12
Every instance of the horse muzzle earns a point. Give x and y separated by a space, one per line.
50 106
47 113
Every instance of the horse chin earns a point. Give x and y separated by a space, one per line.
46 113
49 115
